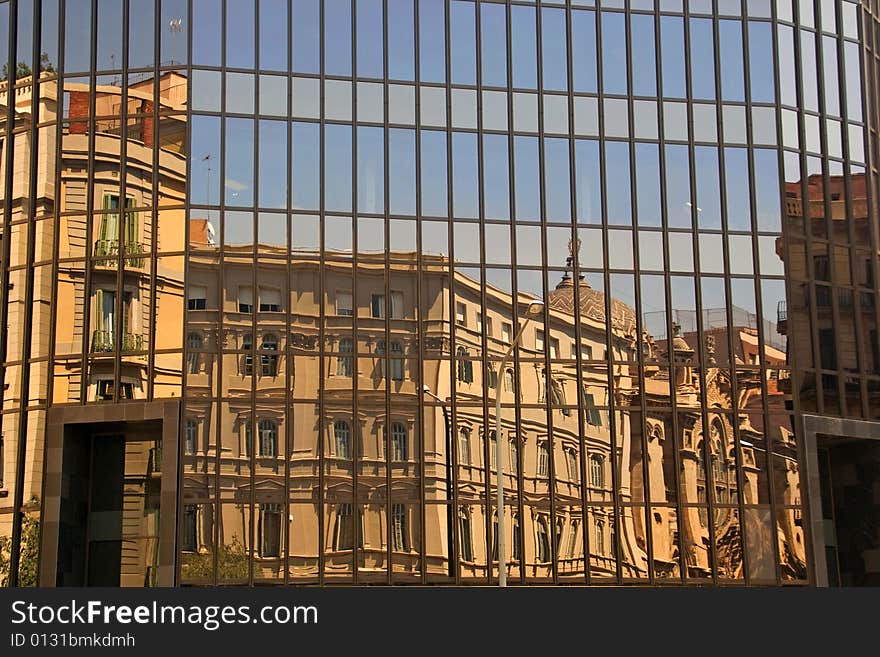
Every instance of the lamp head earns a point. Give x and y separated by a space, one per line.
535 307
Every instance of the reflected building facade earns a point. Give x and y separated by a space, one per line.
263 260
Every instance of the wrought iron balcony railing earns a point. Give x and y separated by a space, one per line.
110 249
103 341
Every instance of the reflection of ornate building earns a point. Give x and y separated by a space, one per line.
833 296
350 427
256 294
106 285
830 319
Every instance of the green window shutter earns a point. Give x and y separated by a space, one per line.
126 312
131 225
105 219
99 310
110 220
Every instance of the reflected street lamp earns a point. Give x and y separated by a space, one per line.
449 510
535 308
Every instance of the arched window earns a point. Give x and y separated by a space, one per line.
400 539
464 446
703 511
508 380
600 537
465 368
342 439
191 436
701 461
194 344
269 357
247 346
543 459
345 362
574 473
716 442
542 541
495 536
464 530
398 441
572 539
597 471
516 537
268 438
343 528
492 377
513 453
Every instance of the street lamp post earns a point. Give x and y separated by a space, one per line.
535 308
450 517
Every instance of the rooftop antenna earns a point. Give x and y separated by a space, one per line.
207 158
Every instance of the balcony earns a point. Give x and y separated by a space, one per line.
154 463
847 300
104 342
110 249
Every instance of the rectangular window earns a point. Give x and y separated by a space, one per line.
345 362
191 437
377 306
821 268
105 320
875 360
397 305
398 527
539 340
245 299
270 300
270 530
591 411
506 331
343 304
460 314
343 529
396 361
196 297
554 348
189 540
827 349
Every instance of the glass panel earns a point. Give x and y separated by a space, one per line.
462 43
369 39
493 44
523 47
337 37
432 41
614 41
583 50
